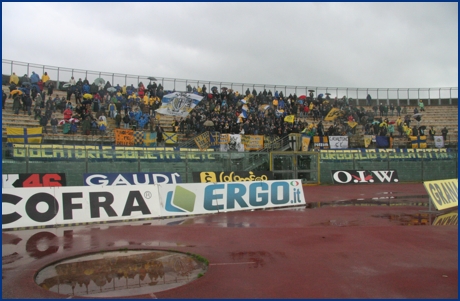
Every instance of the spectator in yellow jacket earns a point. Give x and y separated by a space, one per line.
14 79
45 78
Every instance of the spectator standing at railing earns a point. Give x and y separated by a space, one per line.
34 78
398 110
14 79
72 81
369 100
45 79
421 105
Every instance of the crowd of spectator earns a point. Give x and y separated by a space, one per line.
223 110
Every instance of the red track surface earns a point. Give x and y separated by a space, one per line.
326 252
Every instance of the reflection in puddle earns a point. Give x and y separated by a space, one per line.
120 274
423 219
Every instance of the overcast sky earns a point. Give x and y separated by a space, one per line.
365 45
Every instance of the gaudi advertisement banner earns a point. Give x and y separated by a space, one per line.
186 199
30 207
231 176
443 193
140 178
33 180
364 176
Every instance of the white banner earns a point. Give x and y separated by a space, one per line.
30 207
338 142
178 104
234 144
438 141
203 198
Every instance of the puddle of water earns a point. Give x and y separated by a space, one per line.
421 201
120 274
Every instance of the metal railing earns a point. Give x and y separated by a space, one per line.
403 96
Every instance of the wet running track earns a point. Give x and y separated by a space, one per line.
368 241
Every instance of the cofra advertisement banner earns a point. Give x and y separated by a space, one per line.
30 207
50 206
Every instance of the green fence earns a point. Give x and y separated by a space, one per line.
310 167
75 162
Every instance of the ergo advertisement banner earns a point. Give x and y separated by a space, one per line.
30 207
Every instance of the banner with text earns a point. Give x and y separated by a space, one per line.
51 206
364 176
232 176
33 180
443 194
338 142
371 154
140 178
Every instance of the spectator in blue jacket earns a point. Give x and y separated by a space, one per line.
86 88
34 78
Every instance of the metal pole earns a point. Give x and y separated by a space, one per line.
439 96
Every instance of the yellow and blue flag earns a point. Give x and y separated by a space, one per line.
150 139
170 138
24 135
418 141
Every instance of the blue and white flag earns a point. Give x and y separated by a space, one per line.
179 104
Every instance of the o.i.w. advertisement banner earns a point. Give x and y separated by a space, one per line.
52 206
